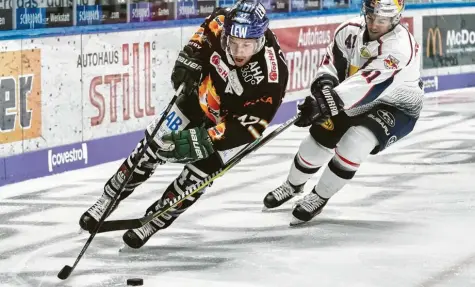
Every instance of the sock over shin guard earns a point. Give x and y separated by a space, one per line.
353 148
189 176
308 160
145 168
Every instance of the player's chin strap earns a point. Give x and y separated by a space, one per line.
66 271
114 225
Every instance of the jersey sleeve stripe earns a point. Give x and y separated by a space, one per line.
339 62
375 91
380 48
367 63
412 50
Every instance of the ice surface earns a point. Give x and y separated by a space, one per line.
405 220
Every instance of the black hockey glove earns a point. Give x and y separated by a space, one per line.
187 145
318 108
187 70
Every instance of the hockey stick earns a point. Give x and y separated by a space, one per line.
114 225
66 271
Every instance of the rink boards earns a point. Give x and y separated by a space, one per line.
81 100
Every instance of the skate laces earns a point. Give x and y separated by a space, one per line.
98 209
312 202
283 191
145 231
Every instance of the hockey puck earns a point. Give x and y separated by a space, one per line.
135 282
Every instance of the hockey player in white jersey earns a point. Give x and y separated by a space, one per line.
367 95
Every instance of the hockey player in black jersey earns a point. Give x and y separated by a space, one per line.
235 78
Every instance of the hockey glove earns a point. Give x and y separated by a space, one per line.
318 108
187 70
187 145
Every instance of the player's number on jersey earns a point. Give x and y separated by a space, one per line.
247 120
370 75
350 41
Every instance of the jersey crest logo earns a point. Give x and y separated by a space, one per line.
365 53
391 63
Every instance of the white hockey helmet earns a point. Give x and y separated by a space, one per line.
384 8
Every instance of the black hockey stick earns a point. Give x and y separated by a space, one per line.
66 271
114 225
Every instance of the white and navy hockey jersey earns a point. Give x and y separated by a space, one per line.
386 70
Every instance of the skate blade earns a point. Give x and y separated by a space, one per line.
296 222
124 248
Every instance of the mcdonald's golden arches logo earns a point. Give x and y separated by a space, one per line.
433 34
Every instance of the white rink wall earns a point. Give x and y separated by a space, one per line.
81 100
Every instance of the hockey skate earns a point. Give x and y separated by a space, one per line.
91 217
281 194
307 208
136 238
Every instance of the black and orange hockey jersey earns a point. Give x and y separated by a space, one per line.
240 101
